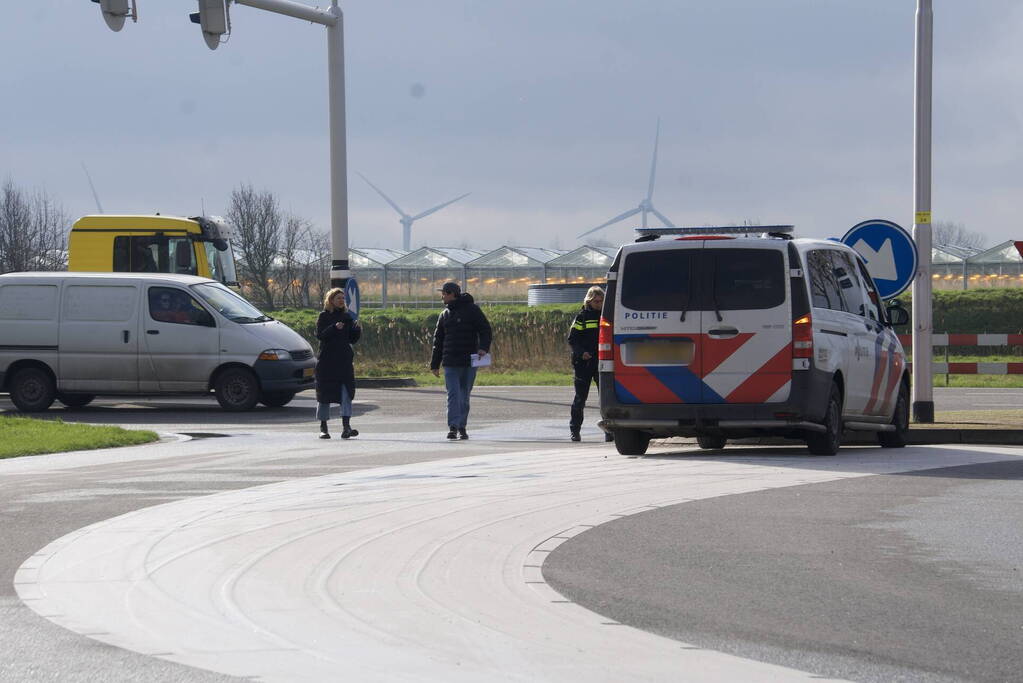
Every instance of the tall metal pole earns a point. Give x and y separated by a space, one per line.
339 272
923 388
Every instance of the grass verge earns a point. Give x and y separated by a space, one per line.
25 436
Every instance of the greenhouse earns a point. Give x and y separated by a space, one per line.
505 273
1000 266
369 266
585 264
415 277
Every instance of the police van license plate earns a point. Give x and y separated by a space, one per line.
658 352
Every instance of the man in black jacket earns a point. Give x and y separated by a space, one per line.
462 330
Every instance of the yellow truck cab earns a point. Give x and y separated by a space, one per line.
153 244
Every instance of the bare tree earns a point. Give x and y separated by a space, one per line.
33 231
258 223
957 235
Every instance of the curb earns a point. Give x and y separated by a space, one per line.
384 382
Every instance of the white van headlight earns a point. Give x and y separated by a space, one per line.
275 354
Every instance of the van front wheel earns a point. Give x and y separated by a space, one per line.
631 441
276 399
33 390
237 390
75 400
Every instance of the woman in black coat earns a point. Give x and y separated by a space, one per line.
337 330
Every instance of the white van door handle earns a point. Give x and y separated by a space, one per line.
722 332
127 336
152 331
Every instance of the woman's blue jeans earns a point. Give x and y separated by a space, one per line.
323 409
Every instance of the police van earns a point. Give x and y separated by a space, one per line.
736 332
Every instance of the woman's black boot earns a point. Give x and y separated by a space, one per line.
348 432
324 434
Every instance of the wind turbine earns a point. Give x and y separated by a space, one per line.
647 205
407 220
99 207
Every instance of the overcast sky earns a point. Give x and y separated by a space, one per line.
776 111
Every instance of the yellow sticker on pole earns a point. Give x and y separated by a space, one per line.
923 217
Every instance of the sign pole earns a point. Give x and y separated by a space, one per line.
923 387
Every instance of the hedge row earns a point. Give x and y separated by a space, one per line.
533 338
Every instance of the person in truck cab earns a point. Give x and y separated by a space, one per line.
582 338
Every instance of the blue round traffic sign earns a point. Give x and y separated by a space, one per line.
889 252
352 297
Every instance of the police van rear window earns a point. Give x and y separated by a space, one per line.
746 279
703 279
657 280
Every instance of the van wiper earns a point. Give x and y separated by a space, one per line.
714 291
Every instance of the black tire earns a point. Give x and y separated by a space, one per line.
828 442
711 442
276 399
631 441
237 390
900 418
33 390
75 400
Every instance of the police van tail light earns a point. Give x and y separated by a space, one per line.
802 337
605 339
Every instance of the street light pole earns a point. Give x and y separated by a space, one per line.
333 19
923 389
339 272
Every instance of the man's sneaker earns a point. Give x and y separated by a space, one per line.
453 433
575 434
462 434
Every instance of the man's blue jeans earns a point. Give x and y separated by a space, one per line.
458 382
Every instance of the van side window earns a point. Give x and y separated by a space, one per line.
849 282
872 303
825 290
171 305
658 280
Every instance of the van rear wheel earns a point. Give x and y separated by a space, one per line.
75 400
32 390
900 419
631 441
830 440
237 390
276 399
710 442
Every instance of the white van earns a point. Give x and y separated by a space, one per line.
73 336
728 332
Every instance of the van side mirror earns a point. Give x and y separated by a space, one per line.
897 315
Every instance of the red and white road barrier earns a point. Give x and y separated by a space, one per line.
975 368
971 340
968 339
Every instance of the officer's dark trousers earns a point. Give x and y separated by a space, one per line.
585 372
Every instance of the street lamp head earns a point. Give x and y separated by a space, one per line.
116 11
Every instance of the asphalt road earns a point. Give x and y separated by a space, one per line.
925 585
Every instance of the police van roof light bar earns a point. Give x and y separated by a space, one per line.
716 230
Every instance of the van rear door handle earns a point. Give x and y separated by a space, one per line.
152 331
722 332
126 335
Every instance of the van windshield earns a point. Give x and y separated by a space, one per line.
229 304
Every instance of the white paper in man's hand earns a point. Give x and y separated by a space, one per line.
477 362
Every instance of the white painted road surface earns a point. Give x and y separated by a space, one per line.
426 571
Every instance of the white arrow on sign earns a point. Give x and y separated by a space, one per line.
880 263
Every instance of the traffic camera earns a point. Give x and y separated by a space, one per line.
215 20
116 11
